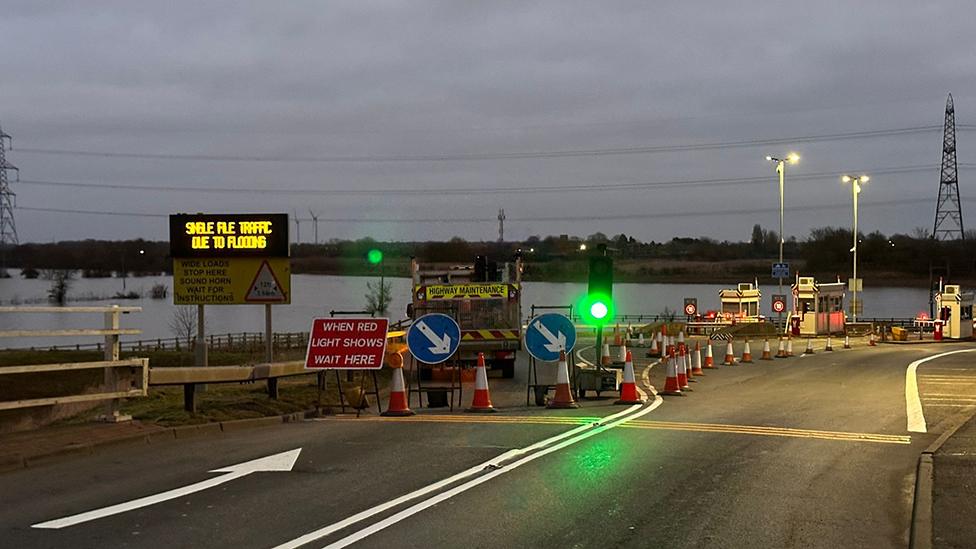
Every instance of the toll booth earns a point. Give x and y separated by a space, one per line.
955 309
741 303
817 308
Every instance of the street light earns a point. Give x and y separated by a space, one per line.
855 182
583 247
791 158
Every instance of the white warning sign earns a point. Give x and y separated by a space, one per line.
265 288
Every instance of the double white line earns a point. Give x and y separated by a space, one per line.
507 462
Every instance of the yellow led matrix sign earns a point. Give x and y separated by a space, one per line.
228 235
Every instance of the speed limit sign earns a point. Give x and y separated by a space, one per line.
691 306
779 303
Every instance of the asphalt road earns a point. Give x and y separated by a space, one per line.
811 451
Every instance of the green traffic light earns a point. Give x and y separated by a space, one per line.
596 308
374 256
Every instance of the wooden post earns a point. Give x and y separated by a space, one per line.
111 380
199 355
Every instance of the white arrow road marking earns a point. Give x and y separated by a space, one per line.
913 405
278 462
556 343
441 346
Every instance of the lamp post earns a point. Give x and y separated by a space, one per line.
855 182
791 158
125 273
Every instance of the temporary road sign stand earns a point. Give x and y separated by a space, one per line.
362 383
532 383
449 308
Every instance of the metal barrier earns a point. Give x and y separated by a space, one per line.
114 386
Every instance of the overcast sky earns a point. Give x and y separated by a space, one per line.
288 97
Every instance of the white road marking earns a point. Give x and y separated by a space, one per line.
494 463
498 464
913 405
444 496
278 462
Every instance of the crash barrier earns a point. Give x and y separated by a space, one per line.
121 378
191 376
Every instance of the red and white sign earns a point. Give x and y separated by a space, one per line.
690 309
347 343
779 305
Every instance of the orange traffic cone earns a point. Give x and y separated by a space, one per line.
671 385
847 341
767 354
696 363
398 406
689 371
729 355
564 395
482 400
623 354
871 342
829 347
640 339
654 350
789 347
682 372
628 388
605 355
781 352
809 350
617 338
709 359
681 337
746 353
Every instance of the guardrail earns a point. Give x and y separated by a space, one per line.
190 376
114 387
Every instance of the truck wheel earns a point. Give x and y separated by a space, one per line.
508 368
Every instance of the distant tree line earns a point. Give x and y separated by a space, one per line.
825 251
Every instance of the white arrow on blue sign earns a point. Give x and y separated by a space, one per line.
548 334
433 338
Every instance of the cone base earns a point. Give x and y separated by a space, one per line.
398 413
766 358
488 410
698 372
562 405
628 402
672 393
687 389
744 361
710 367
829 350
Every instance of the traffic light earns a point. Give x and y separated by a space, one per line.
597 306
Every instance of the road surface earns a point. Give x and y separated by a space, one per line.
812 451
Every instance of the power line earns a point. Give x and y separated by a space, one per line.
524 189
568 218
447 157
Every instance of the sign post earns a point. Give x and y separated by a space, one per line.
781 270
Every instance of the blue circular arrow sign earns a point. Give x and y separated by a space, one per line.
548 334
433 338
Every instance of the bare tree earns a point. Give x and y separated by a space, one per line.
183 323
60 283
378 297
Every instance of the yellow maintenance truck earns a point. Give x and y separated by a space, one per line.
485 298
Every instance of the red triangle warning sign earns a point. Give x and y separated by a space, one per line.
265 288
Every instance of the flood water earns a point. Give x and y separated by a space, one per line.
316 295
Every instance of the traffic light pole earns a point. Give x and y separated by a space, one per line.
599 347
